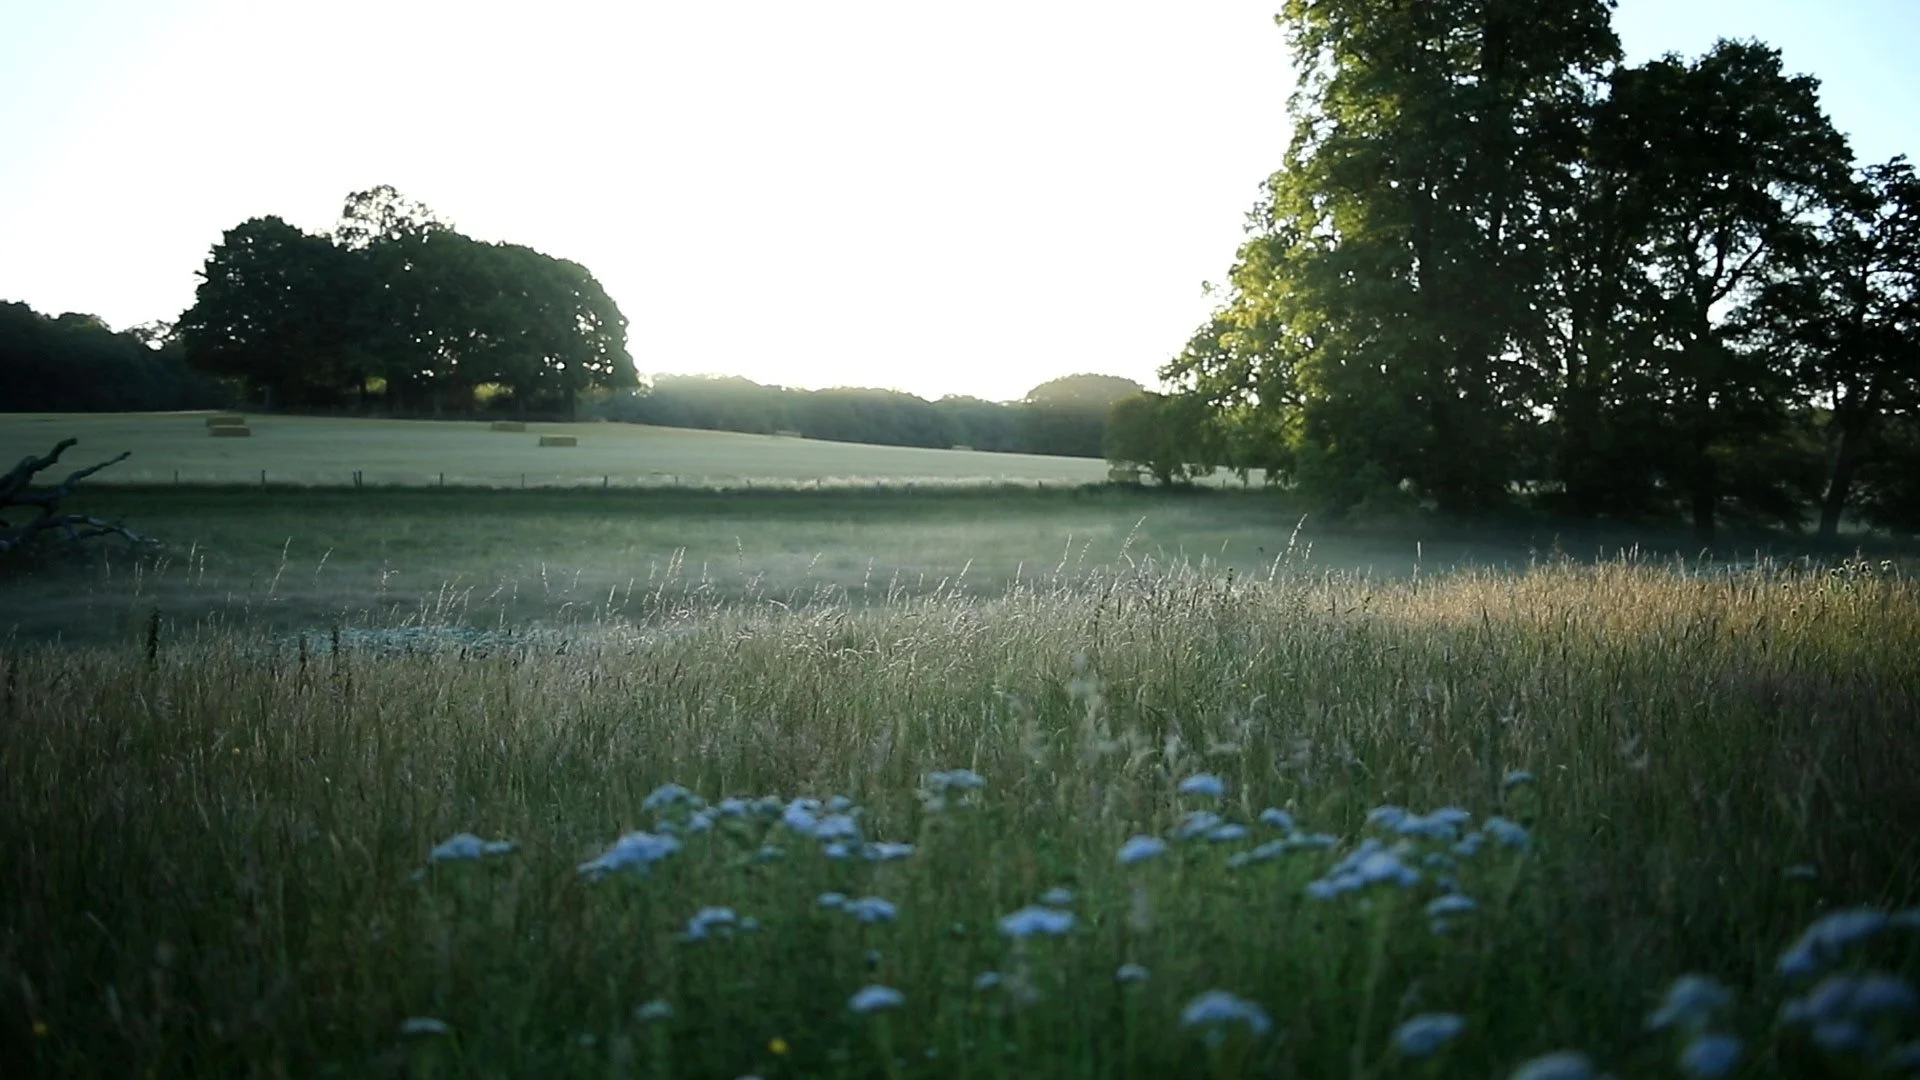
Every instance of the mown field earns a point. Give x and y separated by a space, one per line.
310 451
960 781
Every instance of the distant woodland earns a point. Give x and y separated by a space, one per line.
1498 268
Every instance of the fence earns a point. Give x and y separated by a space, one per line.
362 478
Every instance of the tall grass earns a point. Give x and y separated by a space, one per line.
216 854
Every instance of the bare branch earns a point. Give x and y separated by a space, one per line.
16 490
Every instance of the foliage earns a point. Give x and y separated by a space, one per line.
1062 418
397 298
1499 260
1173 437
74 363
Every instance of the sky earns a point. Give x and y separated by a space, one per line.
938 198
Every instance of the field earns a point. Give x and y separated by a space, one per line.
315 451
954 782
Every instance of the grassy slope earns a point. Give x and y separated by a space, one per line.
210 864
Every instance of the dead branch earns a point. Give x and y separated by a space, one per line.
17 490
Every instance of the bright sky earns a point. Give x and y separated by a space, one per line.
941 198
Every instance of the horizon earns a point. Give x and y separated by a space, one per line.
924 229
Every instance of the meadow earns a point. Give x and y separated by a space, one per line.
957 782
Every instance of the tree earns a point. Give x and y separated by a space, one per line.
75 363
1392 275
1067 416
1738 155
269 314
381 215
398 296
1850 323
1172 437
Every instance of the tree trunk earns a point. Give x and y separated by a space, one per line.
1706 496
1846 462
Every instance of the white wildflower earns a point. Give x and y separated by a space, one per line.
1217 1009
1226 833
1195 823
1709 1057
708 920
1141 848
1131 973
1841 1037
1057 897
664 796
635 851
1205 785
836 827
1828 937
1690 1004
466 847
875 998
1559 1065
802 816
653 1012
1035 919
1419 1036
1387 817
872 910
424 1025
1277 818
1509 833
1451 904
986 980
1515 779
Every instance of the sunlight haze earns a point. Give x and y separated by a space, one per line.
936 198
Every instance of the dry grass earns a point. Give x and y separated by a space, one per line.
216 853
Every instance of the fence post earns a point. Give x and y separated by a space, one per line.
263 478
443 479
605 481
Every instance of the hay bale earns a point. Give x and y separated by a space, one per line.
559 440
226 420
509 425
231 431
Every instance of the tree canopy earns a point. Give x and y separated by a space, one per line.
399 304
74 363
1499 262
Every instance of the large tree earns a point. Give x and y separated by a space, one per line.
1850 323
1738 157
398 295
270 314
1392 277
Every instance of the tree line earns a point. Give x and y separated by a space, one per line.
1499 264
1066 416
74 363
